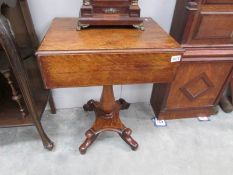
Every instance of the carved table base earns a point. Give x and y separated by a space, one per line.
107 119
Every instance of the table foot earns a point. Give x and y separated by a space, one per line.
107 119
90 138
48 145
126 136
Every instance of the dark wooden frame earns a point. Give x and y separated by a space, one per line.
20 70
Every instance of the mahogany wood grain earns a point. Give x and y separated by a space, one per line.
200 17
106 56
107 119
68 58
204 28
192 73
63 38
78 70
195 91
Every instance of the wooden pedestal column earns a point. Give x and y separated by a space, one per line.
107 119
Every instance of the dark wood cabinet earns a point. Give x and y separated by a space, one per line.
22 95
205 30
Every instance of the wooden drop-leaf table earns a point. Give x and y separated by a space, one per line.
106 57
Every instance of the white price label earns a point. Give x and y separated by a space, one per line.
176 58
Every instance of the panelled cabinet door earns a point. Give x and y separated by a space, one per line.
212 23
196 84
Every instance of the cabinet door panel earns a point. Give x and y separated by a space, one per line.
216 28
210 24
197 84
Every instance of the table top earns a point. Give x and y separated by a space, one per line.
106 56
63 37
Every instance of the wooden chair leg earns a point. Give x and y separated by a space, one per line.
8 44
52 105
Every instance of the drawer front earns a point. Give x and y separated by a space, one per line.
101 69
198 84
218 1
217 28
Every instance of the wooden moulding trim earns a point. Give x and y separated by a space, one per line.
208 59
187 108
207 46
113 51
49 86
190 95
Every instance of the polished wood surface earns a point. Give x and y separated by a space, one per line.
193 22
107 119
204 28
63 38
113 56
199 19
106 56
79 70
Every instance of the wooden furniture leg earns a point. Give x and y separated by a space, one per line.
107 119
51 104
8 44
16 96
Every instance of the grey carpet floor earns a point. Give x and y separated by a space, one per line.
184 147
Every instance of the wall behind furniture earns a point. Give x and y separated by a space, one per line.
43 11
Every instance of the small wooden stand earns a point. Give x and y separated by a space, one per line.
107 119
111 13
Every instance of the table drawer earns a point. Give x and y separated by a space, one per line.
106 69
